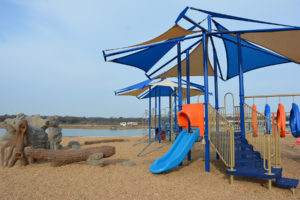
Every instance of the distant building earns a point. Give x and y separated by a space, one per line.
123 123
129 123
132 123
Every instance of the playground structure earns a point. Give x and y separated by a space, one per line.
245 140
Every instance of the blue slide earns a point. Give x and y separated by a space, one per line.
176 153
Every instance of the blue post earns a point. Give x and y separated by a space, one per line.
159 116
175 111
241 84
188 89
170 108
149 114
155 112
206 101
179 80
188 96
216 94
179 77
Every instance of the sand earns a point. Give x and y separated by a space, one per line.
115 181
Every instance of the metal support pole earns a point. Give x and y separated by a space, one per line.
149 114
206 101
216 94
188 96
215 79
175 111
155 113
159 116
179 79
241 85
170 116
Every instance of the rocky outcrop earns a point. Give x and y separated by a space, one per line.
36 134
36 131
54 133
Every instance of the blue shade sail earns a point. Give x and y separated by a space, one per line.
253 57
162 91
139 86
147 58
224 16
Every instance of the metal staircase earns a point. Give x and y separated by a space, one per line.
257 155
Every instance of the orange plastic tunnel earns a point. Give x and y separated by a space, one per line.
193 113
281 120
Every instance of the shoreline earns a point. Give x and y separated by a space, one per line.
89 126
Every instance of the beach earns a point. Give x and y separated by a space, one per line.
115 181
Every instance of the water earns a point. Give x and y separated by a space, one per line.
2 131
95 132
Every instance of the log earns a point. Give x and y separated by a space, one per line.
62 157
103 141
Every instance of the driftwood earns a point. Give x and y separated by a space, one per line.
61 157
17 143
103 141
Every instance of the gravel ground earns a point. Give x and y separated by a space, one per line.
116 181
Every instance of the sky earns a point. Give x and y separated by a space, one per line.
51 53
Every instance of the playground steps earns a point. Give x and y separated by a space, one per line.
287 182
250 163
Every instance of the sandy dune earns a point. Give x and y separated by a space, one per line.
114 181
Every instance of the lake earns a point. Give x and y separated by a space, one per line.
95 132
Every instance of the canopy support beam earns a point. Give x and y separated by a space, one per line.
241 85
179 77
149 114
159 116
206 101
170 116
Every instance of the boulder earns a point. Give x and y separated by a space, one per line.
74 144
54 133
95 159
36 135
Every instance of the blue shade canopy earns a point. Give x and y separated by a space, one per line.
220 15
253 57
200 87
162 91
139 86
145 59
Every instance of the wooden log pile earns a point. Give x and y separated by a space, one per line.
62 157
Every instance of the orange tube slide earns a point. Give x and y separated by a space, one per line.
193 113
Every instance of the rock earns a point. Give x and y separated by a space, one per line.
54 137
54 132
96 162
59 146
96 159
96 156
74 144
128 163
36 135
146 162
